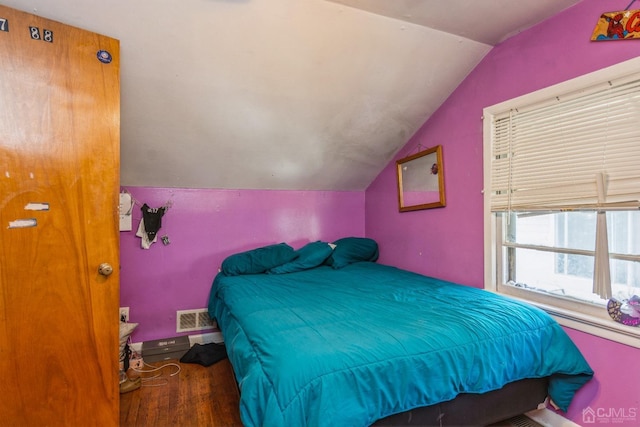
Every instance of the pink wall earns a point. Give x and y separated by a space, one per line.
205 226
448 242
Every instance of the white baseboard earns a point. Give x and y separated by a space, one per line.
207 338
548 418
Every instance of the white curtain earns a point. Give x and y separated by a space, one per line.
601 270
601 273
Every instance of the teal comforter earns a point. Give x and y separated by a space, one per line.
348 347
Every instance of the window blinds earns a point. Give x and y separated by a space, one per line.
549 155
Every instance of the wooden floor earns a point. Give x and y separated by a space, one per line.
197 396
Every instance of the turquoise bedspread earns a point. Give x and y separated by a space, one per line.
347 347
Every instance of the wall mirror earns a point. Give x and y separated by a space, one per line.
421 180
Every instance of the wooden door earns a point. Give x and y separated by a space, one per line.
59 175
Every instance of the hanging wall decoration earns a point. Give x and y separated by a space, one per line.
622 25
150 225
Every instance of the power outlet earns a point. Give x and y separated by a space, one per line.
124 314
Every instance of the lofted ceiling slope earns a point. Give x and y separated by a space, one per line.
284 94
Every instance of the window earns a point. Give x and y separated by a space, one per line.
562 198
554 253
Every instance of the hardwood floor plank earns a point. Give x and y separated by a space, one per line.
197 396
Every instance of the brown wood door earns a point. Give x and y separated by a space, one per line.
59 175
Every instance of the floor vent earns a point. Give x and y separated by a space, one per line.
519 421
193 320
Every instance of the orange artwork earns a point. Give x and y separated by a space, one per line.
623 25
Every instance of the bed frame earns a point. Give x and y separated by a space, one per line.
476 409
472 410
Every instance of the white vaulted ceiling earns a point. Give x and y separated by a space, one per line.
284 94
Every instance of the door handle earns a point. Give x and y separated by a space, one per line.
105 269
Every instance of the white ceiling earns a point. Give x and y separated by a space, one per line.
285 94
485 21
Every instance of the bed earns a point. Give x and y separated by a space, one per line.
336 339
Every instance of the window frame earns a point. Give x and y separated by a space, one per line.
577 315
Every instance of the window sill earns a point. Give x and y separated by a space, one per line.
594 325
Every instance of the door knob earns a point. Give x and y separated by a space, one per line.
105 269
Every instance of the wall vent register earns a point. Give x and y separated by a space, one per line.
194 320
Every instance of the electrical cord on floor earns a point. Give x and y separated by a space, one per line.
153 380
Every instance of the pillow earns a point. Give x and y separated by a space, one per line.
258 260
310 255
352 249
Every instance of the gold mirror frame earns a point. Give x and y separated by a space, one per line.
421 180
